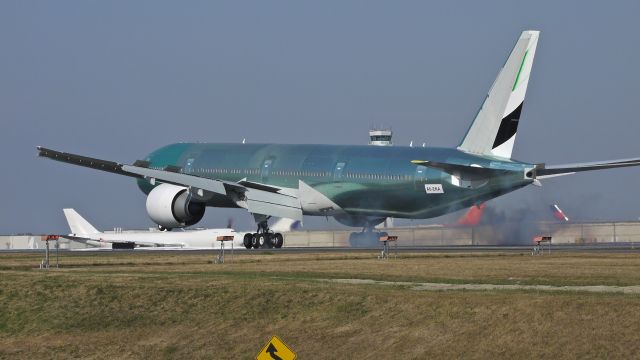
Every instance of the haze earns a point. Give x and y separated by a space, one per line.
115 80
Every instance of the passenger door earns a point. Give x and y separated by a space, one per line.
338 171
266 170
420 178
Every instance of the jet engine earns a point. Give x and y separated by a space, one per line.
171 206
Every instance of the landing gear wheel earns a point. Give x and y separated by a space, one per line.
278 240
268 240
247 241
254 241
262 239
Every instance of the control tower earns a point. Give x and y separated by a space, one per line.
380 137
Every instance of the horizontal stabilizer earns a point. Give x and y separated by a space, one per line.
542 171
463 172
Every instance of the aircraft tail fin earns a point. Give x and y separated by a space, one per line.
473 216
78 224
493 130
558 213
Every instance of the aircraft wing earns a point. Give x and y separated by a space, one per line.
542 171
256 200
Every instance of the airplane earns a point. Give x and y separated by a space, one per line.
82 231
359 186
558 213
473 216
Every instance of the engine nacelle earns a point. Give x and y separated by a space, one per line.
171 206
359 220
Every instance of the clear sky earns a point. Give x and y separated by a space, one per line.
117 79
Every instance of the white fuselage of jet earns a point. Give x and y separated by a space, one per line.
187 239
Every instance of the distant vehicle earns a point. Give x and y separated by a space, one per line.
359 186
82 231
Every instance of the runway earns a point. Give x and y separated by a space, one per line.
608 247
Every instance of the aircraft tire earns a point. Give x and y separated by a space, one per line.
247 241
261 241
268 240
278 240
254 240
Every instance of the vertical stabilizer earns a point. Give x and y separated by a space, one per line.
77 224
558 213
473 216
493 131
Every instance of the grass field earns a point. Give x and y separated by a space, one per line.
179 305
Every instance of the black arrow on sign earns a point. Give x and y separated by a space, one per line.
271 350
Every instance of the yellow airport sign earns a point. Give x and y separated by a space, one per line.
276 350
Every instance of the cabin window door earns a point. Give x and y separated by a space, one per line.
420 177
266 169
338 171
188 167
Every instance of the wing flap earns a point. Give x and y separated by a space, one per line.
274 204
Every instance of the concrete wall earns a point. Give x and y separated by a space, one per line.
595 233
481 235
424 236
19 242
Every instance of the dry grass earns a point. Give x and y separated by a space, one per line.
179 306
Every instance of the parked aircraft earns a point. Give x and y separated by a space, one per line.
359 186
82 231
473 216
558 213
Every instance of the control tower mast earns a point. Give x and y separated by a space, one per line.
380 137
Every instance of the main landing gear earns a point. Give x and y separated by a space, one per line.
263 238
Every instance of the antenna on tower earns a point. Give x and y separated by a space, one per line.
380 137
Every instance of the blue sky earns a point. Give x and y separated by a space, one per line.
117 79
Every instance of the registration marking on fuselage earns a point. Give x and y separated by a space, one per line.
434 188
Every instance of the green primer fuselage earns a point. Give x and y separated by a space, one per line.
375 181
